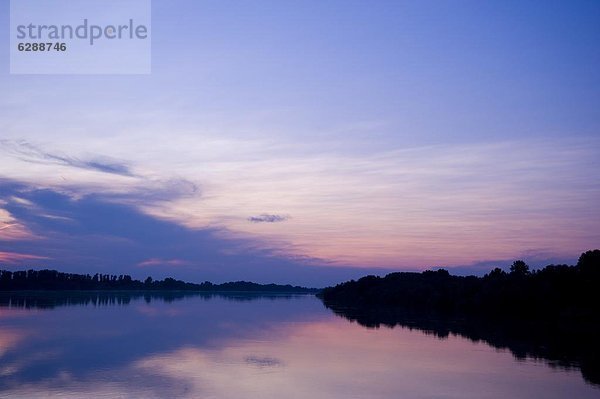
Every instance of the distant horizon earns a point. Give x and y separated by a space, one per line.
476 270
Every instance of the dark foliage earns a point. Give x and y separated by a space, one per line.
555 292
52 280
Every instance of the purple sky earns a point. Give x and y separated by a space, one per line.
310 143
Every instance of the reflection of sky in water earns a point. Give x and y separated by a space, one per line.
265 348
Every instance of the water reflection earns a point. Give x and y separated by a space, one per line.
246 347
52 299
558 347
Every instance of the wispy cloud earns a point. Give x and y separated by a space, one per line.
261 361
163 262
28 152
268 218
116 181
11 229
15 257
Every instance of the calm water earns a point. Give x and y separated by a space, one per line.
248 347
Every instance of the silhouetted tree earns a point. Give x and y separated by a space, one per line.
519 268
497 273
589 263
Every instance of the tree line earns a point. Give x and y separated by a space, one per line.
52 280
556 291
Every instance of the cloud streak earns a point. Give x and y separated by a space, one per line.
28 152
16 257
268 218
163 262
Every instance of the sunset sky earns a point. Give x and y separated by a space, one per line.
310 142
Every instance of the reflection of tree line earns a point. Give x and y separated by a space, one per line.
54 280
50 300
551 314
559 346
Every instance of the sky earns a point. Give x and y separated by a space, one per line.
311 142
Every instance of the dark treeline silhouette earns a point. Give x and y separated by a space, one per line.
51 280
551 314
556 291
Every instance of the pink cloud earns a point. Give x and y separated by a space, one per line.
14 257
12 230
